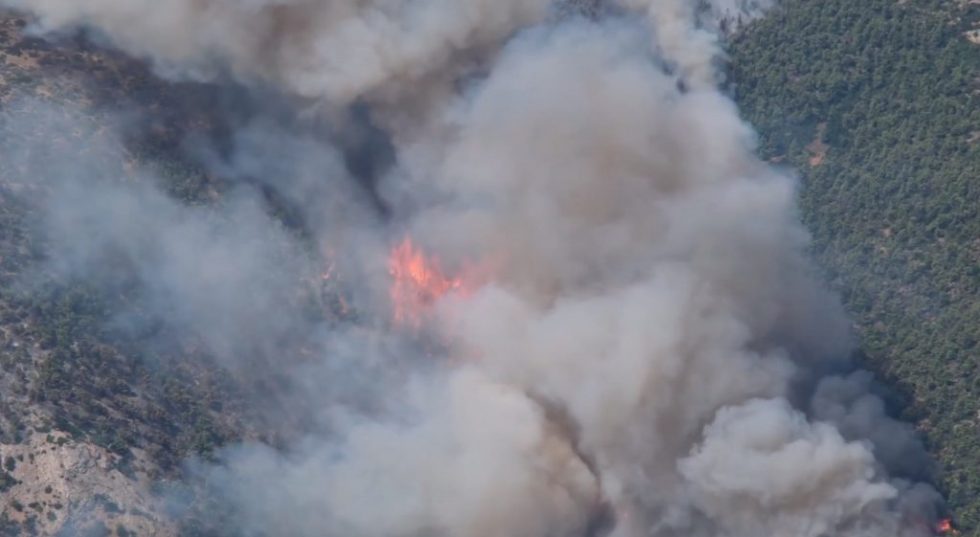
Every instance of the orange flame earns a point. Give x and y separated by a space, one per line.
417 282
945 527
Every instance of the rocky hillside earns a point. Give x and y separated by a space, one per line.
87 423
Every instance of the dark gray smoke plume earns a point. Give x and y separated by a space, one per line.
633 360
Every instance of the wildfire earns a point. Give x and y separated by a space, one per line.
417 282
945 527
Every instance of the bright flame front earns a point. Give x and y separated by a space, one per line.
945 526
417 282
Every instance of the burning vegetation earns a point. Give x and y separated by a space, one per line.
945 527
636 369
418 281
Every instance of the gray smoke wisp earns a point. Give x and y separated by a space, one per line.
641 359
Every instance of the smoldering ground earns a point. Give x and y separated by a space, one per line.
644 356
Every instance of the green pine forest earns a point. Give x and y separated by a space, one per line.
876 104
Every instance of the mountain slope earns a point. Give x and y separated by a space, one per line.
87 424
877 103
873 101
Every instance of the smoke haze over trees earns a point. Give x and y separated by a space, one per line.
643 349
892 203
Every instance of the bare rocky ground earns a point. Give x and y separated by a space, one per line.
63 485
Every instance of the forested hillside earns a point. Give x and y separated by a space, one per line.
877 103
88 418
874 103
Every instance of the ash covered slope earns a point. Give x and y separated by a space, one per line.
645 351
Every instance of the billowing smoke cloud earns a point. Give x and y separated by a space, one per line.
641 359
337 50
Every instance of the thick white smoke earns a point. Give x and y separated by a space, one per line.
633 364
338 50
